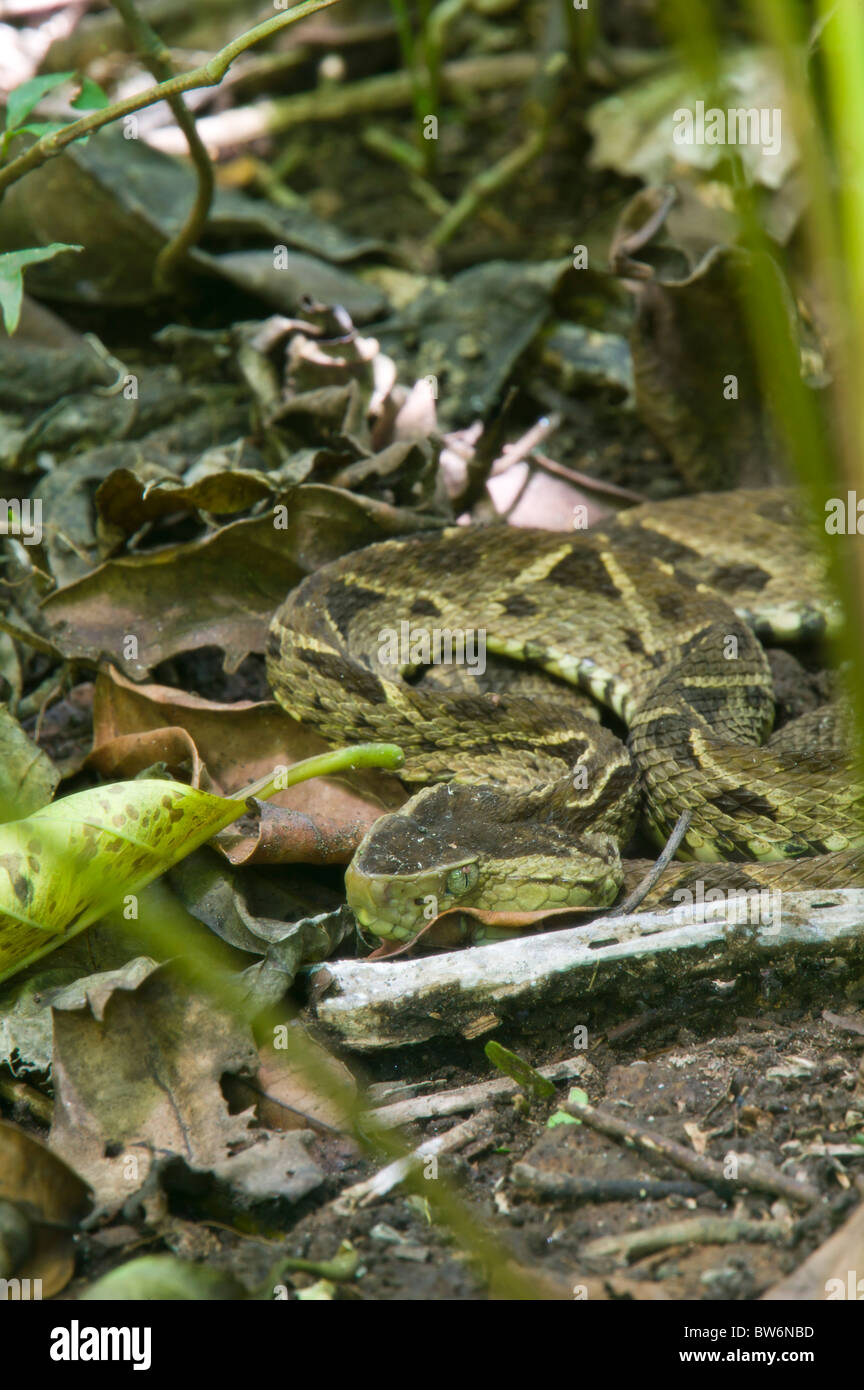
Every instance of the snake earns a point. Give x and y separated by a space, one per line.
625 681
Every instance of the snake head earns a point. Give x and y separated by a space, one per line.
399 905
456 846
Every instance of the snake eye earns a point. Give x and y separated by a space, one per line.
460 880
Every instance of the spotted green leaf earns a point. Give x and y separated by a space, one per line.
69 863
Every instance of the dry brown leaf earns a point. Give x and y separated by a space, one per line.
123 758
288 1099
320 822
47 1190
140 1074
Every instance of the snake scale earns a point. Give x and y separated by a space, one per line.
522 798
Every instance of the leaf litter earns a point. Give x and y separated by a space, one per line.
194 467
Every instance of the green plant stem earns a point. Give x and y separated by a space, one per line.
461 81
487 183
434 29
407 157
823 452
385 755
431 56
421 94
209 74
542 103
157 57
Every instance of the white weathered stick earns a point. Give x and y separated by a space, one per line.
375 1004
363 1194
403 1112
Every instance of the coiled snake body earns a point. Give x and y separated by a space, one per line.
525 797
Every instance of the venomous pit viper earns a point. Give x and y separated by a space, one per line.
523 799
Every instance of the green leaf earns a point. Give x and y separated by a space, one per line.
164 1277
522 1072
91 97
11 294
576 1096
71 862
35 128
28 777
22 100
12 266
12 262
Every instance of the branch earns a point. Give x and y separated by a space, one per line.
157 58
209 74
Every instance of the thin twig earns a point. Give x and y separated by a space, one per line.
753 1174
461 80
31 639
568 1187
521 448
697 1230
585 480
401 1112
641 891
153 52
373 1189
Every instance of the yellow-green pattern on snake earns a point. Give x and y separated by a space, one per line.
525 797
